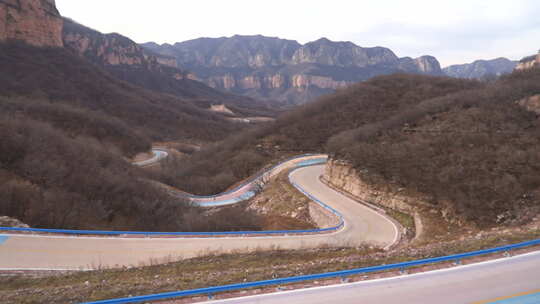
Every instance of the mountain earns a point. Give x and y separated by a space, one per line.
285 70
529 62
481 68
128 61
465 150
67 125
37 22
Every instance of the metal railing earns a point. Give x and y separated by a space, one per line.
256 177
256 183
210 291
209 234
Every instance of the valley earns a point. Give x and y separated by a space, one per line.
131 168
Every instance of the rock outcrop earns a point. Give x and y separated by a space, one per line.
6 221
531 103
342 176
106 49
128 61
341 54
36 22
284 70
529 62
481 69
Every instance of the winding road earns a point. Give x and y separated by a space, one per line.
58 252
157 156
506 280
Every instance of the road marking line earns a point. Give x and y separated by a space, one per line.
512 298
3 238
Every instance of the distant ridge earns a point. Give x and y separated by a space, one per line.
481 68
284 70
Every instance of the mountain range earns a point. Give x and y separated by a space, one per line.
288 72
481 68
284 70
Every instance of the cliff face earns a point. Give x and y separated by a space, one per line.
36 22
341 54
106 50
529 62
284 70
481 68
128 61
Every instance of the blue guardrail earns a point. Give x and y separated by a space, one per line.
209 291
258 176
245 196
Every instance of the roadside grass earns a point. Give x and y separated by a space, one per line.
226 269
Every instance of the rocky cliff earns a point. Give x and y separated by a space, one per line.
284 70
36 22
110 49
128 61
529 62
344 177
481 69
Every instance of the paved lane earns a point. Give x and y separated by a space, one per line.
475 283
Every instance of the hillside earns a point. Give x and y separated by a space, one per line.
468 146
55 75
308 128
126 60
284 71
481 69
67 126
529 62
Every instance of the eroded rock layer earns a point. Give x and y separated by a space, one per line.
36 22
285 70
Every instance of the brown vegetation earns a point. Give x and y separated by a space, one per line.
466 144
140 67
306 129
65 128
475 153
58 76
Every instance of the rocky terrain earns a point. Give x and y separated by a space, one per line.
109 49
481 69
529 62
37 22
128 61
285 70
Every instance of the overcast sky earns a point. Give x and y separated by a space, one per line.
456 31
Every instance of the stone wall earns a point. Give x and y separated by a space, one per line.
36 22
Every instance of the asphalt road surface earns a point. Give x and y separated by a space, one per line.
362 225
508 280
